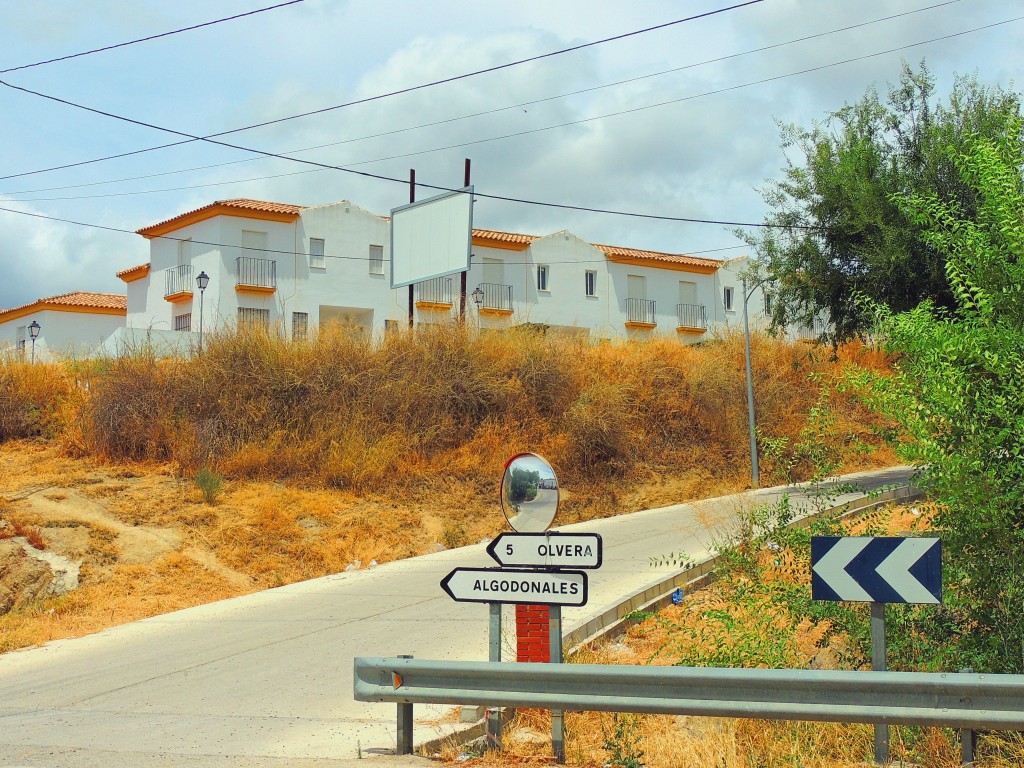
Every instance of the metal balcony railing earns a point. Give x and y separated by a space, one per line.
256 273
811 331
496 296
178 280
692 316
435 291
640 311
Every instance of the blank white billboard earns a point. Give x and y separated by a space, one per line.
431 238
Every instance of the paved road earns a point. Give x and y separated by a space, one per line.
266 679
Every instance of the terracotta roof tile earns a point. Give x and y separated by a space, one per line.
504 237
104 303
236 206
668 258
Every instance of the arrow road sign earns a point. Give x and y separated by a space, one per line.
501 585
876 569
547 550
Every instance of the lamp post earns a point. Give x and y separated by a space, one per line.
202 280
33 331
755 472
478 299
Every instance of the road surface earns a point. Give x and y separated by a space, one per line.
266 679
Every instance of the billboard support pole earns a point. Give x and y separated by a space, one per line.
462 277
412 299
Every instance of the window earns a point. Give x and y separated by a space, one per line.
184 252
727 298
687 292
254 244
542 277
767 303
376 259
390 326
254 317
590 282
316 253
21 338
183 322
300 324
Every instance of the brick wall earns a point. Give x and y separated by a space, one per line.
532 641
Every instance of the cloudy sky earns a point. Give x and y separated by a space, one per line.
679 121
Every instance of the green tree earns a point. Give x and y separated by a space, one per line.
837 230
959 391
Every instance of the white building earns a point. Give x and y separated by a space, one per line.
69 325
299 268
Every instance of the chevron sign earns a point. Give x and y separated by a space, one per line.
876 569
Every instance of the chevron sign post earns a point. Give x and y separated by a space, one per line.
876 569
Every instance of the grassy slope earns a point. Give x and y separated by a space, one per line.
337 451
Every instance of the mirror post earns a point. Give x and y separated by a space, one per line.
557 717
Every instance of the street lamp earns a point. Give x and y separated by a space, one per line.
755 473
33 331
202 281
478 299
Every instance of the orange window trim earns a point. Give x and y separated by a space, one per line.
258 290
641 326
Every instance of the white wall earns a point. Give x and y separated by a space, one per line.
61 334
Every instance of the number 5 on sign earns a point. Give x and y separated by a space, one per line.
547 550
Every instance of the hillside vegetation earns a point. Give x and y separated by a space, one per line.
317 456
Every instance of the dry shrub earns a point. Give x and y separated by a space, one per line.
439 402
31 396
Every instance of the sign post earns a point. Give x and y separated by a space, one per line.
877 570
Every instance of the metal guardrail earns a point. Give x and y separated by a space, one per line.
952 700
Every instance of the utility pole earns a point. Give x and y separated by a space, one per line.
462 279
412 298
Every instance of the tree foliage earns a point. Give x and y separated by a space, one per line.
959 390
836 228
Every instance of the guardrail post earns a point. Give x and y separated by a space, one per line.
879 664
403 745
492 732
557 719
968 740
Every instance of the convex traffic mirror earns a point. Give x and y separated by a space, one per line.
529 493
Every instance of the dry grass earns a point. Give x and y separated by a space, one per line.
337 451
767 635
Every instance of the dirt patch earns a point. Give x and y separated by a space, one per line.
23 579
137 544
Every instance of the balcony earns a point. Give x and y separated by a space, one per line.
257 276
434 294
640 314
691 318
495 299
178 283
812 331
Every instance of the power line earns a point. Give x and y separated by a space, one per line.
301 253
451 119
190 138
150 37
524 201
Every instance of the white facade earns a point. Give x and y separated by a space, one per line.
66 331
297 269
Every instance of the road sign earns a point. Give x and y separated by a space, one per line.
501 585
876 569
547 550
